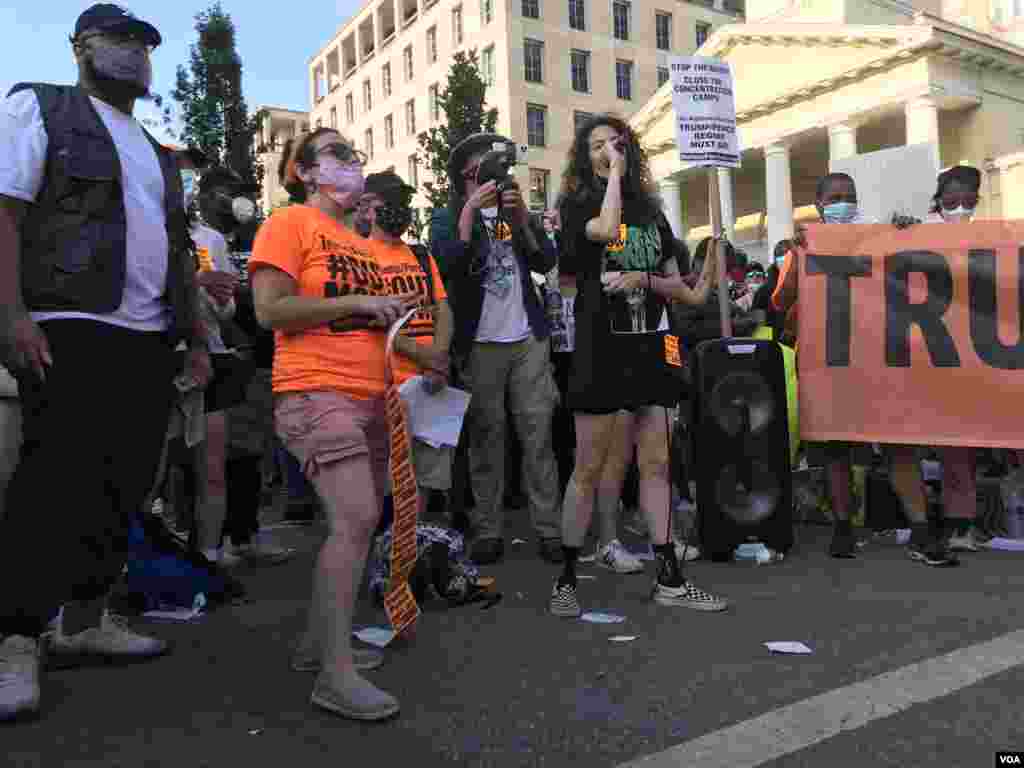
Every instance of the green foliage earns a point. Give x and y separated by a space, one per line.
463 103
214 115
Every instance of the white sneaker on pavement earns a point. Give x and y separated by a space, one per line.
112 639
615 557
19 676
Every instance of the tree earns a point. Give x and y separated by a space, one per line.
214 115
464 104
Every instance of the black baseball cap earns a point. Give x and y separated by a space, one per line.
110 17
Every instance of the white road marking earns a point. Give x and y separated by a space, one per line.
788 729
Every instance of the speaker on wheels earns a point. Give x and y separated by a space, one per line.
741 445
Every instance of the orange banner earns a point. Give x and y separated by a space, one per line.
399 601
913 336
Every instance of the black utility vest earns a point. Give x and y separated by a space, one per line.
73 238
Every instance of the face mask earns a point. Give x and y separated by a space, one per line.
189 182
243 209
489 213
840 213
957 215
126 65
394 219
344 184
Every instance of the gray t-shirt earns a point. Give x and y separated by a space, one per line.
503 317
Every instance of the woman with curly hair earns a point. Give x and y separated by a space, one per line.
622 251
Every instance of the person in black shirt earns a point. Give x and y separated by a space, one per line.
623 249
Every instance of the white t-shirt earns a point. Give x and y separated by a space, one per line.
23 145
213 255
503 317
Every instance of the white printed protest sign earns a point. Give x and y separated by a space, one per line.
705 108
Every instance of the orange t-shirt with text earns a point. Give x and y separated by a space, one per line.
328 260
402 271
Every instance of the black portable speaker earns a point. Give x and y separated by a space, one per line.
741 444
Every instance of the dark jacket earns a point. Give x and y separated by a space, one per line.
461 266
74 237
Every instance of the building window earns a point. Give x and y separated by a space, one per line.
334 118
624 79
580 64
703 30
620 18
367 96
407 60
486 11
432 45
536 115
662 76
487 65
578 15
531 9
410 117
389 132
368 143
579 118
385 80
414 171
663 31
533 57
434 103
539 189
457 24
350 109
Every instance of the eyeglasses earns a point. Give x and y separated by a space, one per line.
344 153
119 39
949 203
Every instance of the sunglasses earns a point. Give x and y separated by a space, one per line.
344 153
119 39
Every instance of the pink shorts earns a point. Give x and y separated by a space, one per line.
323 427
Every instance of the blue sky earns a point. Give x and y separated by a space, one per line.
275 42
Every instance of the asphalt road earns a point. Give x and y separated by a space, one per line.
512 686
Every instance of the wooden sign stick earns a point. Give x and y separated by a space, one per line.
724 306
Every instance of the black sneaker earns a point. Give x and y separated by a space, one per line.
844 544
564 602
933 553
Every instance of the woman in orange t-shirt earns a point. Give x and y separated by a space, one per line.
319 286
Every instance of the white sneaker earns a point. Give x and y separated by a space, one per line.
112 639
19 676
685 553
614 557
965 543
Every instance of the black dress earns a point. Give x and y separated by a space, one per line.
619 360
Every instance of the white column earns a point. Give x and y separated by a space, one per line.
672 202
779 193
923 124
842 143
726 200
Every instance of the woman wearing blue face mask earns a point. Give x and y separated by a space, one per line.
836 201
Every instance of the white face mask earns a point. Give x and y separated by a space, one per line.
489 213
958 214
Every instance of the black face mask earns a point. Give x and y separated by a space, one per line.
394 220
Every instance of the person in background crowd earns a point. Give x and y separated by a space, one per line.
836 201
320 286
92 352
423 348
626 273
763 296
500 343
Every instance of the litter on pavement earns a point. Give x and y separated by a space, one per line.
603 618
788 646
378 636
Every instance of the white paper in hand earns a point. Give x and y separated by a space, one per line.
434 419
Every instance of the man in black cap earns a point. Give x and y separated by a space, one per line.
97 286
501 338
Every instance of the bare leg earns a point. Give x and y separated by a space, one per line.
652 459
613 475
213 492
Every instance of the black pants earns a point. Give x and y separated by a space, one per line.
244 482
93 435
563 424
